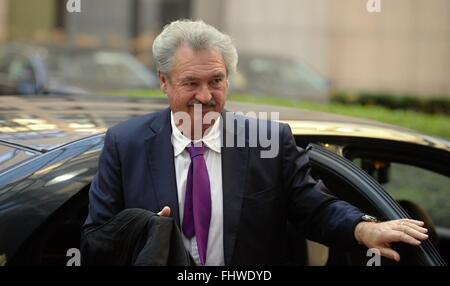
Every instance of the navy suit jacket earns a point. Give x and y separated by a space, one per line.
260 195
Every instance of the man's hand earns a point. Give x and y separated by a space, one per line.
165 211
381 234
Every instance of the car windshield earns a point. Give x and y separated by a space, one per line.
98 70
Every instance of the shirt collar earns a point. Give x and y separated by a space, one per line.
212 139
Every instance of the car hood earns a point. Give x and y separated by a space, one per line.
45 122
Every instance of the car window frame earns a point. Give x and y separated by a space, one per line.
368 189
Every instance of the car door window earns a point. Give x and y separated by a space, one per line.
19 74
404 182
348 182
20 69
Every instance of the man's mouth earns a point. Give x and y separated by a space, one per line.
202 108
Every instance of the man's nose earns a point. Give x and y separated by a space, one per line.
203 95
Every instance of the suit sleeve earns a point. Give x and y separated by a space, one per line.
105 194
323 217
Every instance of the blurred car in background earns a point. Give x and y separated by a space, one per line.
50 146
31 69
263 74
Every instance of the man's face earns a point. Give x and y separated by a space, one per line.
197 78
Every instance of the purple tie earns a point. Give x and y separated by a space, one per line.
197 203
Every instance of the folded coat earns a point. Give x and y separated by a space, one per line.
135 237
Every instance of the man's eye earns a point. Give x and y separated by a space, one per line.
190 84
217 81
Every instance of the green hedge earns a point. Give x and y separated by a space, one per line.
432 105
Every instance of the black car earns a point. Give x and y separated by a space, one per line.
49 156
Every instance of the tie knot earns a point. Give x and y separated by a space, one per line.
195 151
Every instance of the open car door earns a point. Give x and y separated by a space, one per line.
348 182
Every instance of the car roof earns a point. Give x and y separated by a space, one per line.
47 122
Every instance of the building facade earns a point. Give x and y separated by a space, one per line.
403 48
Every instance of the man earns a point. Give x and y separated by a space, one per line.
231 203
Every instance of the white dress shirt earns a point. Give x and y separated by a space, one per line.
213 158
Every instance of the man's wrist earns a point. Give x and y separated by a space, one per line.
360 230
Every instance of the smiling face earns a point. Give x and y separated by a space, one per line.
197 78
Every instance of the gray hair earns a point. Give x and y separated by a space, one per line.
198 36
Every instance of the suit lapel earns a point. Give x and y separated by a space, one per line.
234 166
160 159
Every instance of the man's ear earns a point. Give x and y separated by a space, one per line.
163 81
